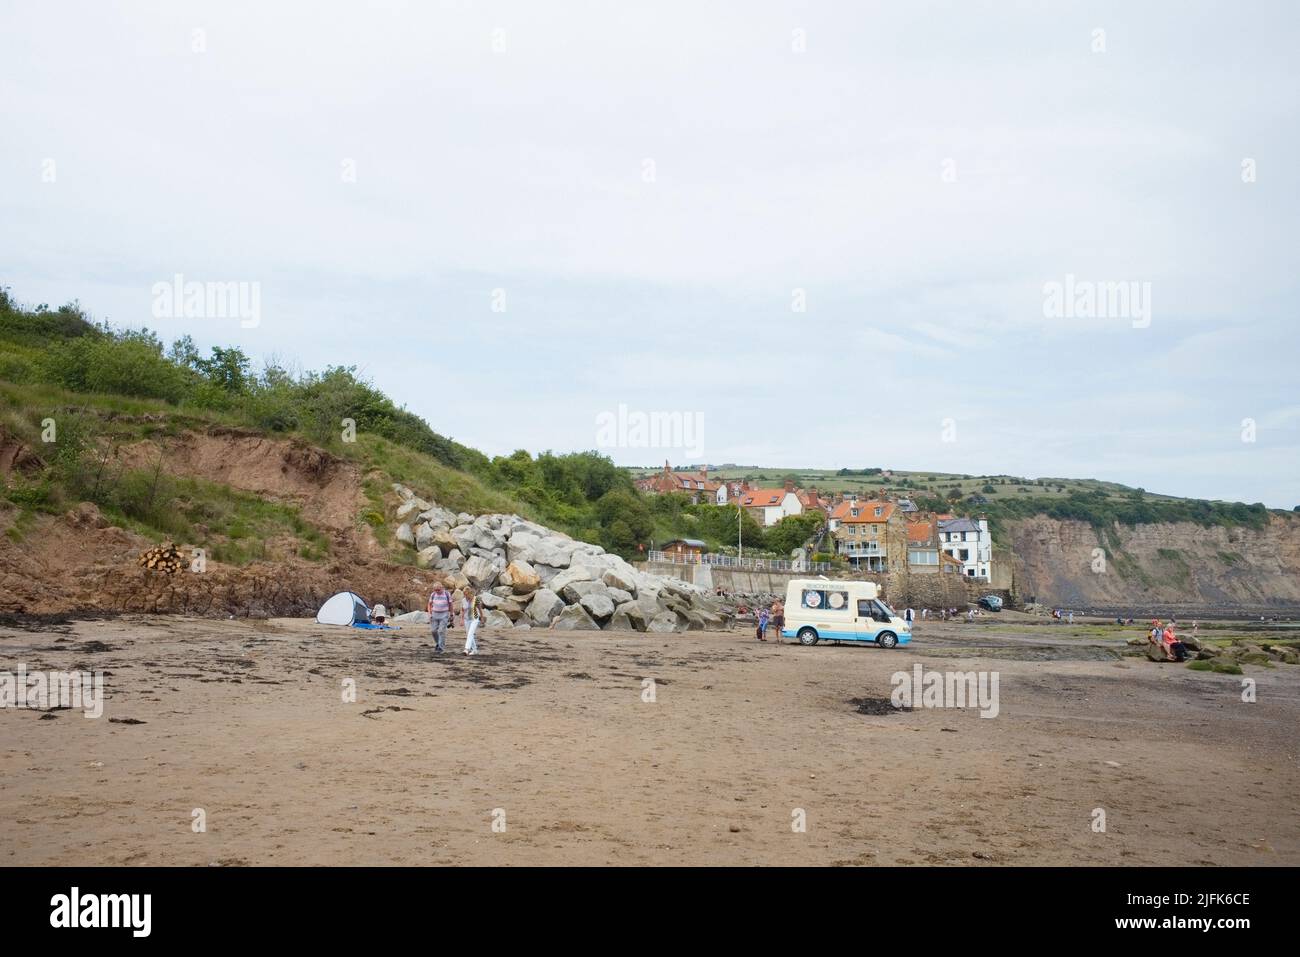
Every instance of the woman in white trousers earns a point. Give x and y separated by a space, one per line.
471 614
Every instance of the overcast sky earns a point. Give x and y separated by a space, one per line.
651 189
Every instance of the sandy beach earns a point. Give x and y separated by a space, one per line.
544 751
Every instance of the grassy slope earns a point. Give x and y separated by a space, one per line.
238 527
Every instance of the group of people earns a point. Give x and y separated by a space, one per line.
442 615
1164 640
775 616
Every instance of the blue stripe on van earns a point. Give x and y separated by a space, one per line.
903 637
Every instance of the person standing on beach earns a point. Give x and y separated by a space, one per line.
471 614
778 617
909 615
762 624
439 614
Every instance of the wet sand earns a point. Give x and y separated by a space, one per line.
548 735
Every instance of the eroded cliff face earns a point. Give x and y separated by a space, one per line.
1180 564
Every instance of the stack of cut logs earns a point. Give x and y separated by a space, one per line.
162 558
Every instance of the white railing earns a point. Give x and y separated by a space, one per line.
730 561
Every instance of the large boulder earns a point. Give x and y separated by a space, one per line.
575 573
514 610
598 605
692 620
404 534
438 517
545 607
410 507
616 578
482 574
628 617
521 545
618 596
464 537
424 536
444 539
546 572
665 621
521 578
575 618
428 557
497 619
551 551
411 618
573 592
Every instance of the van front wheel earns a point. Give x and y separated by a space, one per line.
887 639
808 636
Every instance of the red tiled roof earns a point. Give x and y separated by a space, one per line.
762 497
698 482
866 511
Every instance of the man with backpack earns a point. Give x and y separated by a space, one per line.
439 615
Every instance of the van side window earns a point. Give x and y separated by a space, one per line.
865 608
812 598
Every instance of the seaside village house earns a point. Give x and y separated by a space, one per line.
871 534
697 486
769 505
968 541
924 556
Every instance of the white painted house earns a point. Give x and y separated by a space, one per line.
968 540
770 505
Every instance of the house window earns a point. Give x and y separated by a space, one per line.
879 511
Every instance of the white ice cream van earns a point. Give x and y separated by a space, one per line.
818 608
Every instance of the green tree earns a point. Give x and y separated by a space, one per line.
793 532
228 369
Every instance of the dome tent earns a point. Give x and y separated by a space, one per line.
345 608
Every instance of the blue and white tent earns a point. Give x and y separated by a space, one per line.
345 608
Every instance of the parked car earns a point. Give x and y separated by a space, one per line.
991 602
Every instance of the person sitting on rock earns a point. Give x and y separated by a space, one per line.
1174 648
1156 634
